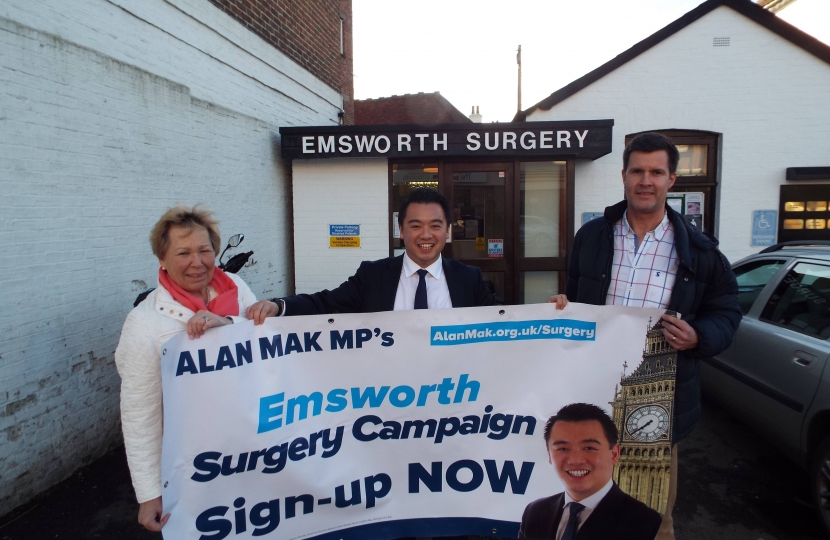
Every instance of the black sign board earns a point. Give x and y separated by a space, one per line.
581 139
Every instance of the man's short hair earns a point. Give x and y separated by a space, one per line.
424 196
652 142
583 412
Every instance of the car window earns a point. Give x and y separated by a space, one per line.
801 302
752 278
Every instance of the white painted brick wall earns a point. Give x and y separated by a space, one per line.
768 97
111 111
338 191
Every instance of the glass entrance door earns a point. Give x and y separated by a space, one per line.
482 223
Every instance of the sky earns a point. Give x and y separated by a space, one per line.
466 49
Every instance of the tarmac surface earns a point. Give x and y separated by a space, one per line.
732 485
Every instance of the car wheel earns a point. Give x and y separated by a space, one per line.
820 478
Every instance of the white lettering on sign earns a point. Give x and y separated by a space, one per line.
388 144
495 142
325 144
508 137
474 140
364 144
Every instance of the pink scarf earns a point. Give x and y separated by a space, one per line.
227 303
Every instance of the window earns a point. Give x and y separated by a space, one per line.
801 302
752 278
804 212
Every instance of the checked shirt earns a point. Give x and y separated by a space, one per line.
642 276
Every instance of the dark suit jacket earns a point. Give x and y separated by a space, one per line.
375 284
618 516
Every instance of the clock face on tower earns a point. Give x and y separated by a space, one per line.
647 423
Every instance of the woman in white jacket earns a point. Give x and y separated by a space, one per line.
194 296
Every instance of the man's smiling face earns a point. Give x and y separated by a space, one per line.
424 232
582 456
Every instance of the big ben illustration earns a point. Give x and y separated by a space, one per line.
643 412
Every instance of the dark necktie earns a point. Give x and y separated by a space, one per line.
421 291
573 519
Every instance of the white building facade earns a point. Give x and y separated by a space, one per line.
111 112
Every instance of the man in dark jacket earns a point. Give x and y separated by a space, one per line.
419 279
642 253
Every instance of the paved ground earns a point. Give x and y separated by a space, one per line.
732 486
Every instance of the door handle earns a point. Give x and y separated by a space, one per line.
803 359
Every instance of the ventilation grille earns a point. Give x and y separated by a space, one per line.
720 42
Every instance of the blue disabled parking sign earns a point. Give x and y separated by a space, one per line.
764 227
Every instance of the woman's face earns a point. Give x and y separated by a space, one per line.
189 259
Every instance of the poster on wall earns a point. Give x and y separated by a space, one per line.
690 205
407 423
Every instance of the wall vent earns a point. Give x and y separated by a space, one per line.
720 42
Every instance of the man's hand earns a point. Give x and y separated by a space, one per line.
149 515
560 300
679 334
259 311
202 321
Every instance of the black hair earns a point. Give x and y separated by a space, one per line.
583 412
424 196
652 142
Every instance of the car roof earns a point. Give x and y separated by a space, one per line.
800 252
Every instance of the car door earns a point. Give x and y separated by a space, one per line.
783 351
754 278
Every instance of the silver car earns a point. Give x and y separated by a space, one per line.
773 376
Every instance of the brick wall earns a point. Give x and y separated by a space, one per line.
308 31
111 111
766 96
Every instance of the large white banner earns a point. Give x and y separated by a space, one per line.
378 426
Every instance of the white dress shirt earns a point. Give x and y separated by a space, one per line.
644 269
589 503
438 294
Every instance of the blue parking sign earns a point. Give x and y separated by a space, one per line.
764 227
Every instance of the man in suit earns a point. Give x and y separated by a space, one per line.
419 279
582 445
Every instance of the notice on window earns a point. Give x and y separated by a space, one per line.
479 243
495 248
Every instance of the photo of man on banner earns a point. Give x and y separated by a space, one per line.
582 444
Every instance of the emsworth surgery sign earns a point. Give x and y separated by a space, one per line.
587 139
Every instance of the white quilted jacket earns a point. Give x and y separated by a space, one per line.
158 318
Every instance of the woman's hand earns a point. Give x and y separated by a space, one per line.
202 321
560 300
259 311
149 515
